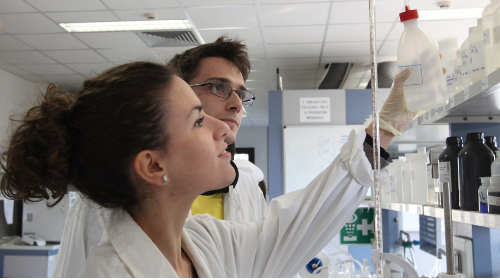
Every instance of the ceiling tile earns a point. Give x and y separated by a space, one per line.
247 35
62 79
34 79
108 40
294 50
52 41
29 23
15 6
347 49
163 14
225 17
94 16
9 43
13 69
64 5
456 4
259 84
357 12
287 1
162 55
259 75
357 72
47 69
77 56
295 34
26 57
388 48
294 14
89 69
257 64
127 55
355 32
201 3
294 64
256 51
298 74
143 4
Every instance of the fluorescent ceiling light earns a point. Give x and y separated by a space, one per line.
127 25
444 14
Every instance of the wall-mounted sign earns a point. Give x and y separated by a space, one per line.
315 109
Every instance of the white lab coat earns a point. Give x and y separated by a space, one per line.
296 227
85 222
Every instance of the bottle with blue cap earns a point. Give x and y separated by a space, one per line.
482 194
494 195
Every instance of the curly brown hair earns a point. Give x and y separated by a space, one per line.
186 64
89 140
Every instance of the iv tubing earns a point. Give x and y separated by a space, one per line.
376 140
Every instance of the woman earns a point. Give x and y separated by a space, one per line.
136 140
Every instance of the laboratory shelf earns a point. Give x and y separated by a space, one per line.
466 217
402 207
478 103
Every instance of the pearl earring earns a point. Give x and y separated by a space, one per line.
165 178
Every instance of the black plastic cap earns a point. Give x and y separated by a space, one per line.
475 136
490 139
454 140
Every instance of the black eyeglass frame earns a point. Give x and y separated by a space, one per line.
246 102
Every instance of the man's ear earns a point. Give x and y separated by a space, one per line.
147 166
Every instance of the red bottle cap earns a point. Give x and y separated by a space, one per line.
408 14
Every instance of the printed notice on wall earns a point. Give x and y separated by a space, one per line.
8 209
315 109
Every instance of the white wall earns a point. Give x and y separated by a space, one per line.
255 137
16 96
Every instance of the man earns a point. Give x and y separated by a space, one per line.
217 73
210 69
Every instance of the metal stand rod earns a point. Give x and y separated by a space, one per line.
376 140
448 230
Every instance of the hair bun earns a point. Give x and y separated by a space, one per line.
37 161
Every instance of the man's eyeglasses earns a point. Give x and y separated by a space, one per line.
223 90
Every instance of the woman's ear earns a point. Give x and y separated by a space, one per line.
147 166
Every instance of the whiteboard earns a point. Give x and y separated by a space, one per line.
308 150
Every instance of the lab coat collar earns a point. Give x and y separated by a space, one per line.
140 254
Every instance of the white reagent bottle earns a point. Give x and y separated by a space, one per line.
476 50
448 48
488 25
426 87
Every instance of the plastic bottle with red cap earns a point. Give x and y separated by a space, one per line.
426 87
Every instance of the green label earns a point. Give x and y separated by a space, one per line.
360 228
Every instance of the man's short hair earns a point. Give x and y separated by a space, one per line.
185 64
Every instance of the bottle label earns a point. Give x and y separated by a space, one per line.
416 78
486 37
476 56
450 79
496 34
444 172
483 198
493 200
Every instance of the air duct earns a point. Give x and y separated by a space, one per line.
386 71
155 39
335 76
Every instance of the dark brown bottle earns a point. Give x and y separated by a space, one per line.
448 168
474 162
491 142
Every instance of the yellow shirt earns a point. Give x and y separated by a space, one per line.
209 204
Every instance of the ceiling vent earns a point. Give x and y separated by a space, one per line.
166 39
